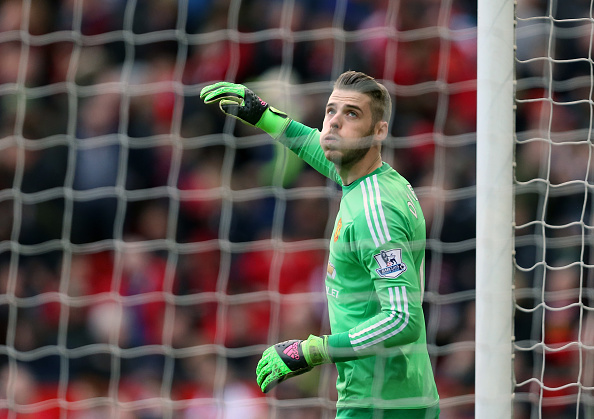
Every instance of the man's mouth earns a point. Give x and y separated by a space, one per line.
330 142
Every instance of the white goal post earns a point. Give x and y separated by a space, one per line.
494 199
535 113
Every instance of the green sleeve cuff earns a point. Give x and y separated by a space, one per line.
297 130
295 135
340 349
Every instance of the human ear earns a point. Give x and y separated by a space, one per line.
381 130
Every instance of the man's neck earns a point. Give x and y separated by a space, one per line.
363 167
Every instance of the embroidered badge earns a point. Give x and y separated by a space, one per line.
390 263
338 228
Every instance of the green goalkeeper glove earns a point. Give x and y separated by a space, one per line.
289 359
240 102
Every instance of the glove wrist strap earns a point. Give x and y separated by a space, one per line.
273 122
315 350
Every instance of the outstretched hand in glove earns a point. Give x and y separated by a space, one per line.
240 102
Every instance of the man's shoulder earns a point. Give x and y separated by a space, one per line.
386 197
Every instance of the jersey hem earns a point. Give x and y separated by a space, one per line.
380 405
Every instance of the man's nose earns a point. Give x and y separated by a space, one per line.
335 122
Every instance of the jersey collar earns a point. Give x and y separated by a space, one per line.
347 188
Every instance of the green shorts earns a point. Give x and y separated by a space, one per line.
360 413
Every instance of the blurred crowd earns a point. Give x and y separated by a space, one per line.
150 249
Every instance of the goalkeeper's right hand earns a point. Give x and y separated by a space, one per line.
240 102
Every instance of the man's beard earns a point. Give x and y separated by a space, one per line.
350 157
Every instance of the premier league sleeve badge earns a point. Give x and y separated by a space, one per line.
390 263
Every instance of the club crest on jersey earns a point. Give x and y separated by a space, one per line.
338 228
390 263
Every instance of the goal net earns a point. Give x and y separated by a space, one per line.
151 249
554 304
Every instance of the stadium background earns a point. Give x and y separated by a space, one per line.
151 249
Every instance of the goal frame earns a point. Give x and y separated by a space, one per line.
494 209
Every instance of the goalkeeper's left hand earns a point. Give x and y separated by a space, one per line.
290 358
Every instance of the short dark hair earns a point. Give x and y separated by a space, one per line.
381 103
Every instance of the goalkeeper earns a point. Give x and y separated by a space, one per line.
375 275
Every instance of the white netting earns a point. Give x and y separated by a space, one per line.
554 328
151 249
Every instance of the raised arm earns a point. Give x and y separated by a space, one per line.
242 103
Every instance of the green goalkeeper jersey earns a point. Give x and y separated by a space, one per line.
374 286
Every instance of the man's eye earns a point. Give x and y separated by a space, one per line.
330 111
352 114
